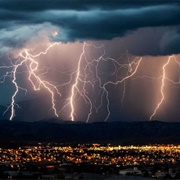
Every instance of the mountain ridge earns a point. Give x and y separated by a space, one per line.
140 132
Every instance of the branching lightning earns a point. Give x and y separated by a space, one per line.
81 80
87 82
74 86
164 78
132 73
28 60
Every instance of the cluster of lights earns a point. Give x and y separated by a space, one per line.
93 154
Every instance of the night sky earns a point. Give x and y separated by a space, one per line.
108 34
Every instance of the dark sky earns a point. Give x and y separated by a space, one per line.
90 20
150 29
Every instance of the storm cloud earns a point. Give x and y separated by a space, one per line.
89 20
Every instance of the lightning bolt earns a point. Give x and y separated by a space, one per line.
82 77
83 81
164 77
74 86
29 61
132 73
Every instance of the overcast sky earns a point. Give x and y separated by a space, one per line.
91 20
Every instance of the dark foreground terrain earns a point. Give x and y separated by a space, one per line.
100 132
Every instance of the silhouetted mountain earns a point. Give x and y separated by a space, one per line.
104 132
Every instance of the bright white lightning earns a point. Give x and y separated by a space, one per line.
81 78
164 77
27 59
74 86
87 75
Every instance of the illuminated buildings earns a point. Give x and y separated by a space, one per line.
96 158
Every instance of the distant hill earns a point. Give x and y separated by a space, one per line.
100 132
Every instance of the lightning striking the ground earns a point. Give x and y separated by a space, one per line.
74 86
164 78
88 82
93 66
82 77
28 60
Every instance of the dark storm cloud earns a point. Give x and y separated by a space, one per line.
90 20
106 25
171 41
42 5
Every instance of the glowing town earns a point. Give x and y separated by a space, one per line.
63 161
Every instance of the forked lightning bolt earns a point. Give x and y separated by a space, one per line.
74 86
79 85
88 81
164 78
32 66
81 80
132 73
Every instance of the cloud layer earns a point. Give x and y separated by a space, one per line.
88 20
